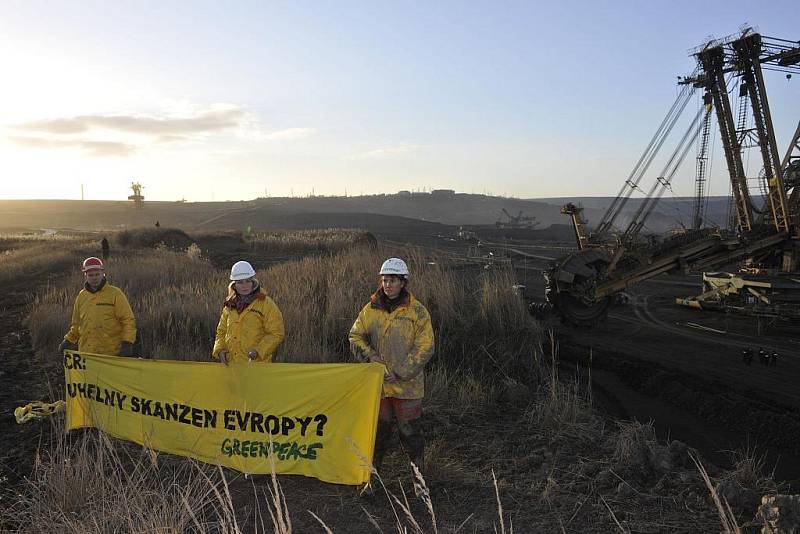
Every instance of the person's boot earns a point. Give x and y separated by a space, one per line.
413 442
383 437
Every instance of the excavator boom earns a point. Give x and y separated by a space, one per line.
582 286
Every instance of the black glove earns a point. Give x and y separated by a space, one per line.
67 345
126 349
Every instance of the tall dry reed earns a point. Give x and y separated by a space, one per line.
177 299
85 482
325 240
170 294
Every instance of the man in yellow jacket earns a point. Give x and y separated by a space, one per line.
102 320
251 325
394 329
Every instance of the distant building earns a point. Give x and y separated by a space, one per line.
443 192
404 193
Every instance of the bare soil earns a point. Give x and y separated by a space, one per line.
23 378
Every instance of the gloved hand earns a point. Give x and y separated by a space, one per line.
67 345
223 356
126 349
252 354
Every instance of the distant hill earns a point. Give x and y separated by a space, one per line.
420 212
669 212
111 215
469 209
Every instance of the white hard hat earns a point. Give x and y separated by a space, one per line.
242 270
395 266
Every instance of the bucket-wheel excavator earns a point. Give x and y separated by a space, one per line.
582 286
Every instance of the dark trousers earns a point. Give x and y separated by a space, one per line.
408 415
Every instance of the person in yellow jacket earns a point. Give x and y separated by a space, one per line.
102 320
251 325
394 329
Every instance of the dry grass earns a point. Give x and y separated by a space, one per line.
10 239
177 298
750 471
35 258
726 515
150 237
326 240
563 408
635 444
218 236
84 482
166 292
499 301
87 483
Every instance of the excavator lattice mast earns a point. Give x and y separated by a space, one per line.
713 62
582 286
749 50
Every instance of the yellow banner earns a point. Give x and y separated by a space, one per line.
316 420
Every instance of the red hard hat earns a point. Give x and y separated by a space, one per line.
92 263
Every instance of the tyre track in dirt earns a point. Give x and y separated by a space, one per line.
645 314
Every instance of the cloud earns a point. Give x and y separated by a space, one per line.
291 133
202 122
124 134
386 152
54 126
121 134
93 148
163 139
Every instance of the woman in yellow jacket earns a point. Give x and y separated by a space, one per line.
394 329
251 325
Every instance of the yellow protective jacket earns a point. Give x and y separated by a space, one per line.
101 321
259 326
403 339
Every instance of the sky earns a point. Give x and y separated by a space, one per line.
236 100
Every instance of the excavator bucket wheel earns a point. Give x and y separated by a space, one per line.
575 312
566 282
